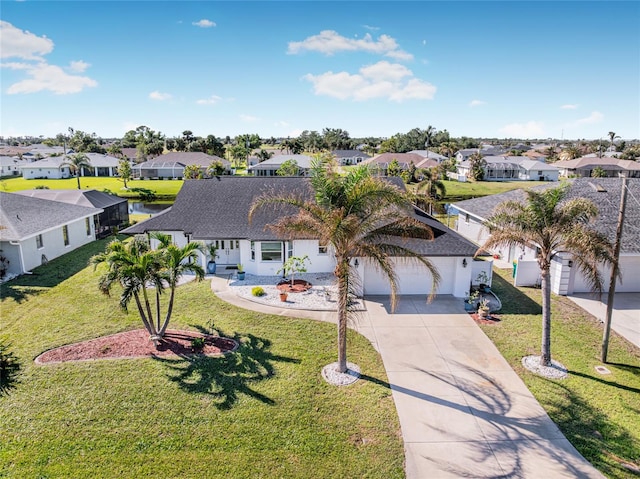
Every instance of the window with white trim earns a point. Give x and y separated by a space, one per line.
87 223
65 235
253 251
323 248
39 243
271 251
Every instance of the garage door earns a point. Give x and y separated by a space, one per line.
413 278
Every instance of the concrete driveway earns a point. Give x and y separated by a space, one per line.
463 411
625 317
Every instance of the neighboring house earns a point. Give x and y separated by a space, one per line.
584 166
350 157
432 155
484 150
54 167
216 211
565 279
272 165
115 210
101 165
10 166
381 162
512 168
36 230
172 165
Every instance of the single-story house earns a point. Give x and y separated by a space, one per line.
430 154
350 157
115 210
605 194
584 166
381 162
484 150
216 211
37 230
510 168
172 165
10 165
272 165
53 167
101 165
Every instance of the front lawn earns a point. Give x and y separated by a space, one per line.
263 411
599 414
458 191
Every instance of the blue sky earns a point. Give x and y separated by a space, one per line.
494 69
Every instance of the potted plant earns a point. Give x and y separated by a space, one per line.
483 308
295 264
240 272
482 281
283 296
213 254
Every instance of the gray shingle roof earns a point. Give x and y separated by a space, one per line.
182 158
276 161
89 198
218 209
607 201
24 216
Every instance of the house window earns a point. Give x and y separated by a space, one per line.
466 218
87 223
39 243
322 248
271 251
65 235
253 251
289 249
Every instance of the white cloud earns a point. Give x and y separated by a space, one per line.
249 118
204 23
474 103
212 100
282 124
381 80
531 129
78 66
330 42
369 27
22 44
156 95
569 107
594 117
51 78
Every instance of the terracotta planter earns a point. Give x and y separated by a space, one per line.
283 297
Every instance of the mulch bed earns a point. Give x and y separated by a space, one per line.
299 286
136 344
491 319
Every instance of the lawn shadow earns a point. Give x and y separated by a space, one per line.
513 300
9 369
52 273
225 378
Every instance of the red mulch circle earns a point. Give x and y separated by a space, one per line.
299 286
136 344
491 319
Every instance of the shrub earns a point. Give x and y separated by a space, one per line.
197 343
257 291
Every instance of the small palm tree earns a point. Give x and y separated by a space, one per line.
430 189
360 216
76 163
553 225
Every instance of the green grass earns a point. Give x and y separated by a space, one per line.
164 189
263 411
599 414
458 191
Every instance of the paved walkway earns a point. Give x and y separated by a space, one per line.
463 411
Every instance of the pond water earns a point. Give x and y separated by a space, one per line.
137 207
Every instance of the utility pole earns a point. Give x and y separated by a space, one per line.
614 271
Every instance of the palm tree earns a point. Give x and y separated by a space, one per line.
612 137
570 153
76 163
359 215
136 267
553 225
430 188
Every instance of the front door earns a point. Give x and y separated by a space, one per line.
228 252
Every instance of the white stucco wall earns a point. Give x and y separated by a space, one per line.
53 173
12 253
414 278
629 268
318 263
53 243
472 229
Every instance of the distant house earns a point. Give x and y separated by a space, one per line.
37 230
101 165
484 150
115 210
272 165
584 166
350 157
432 155
511 168
381 162
10 165
54 167
565 277
172 165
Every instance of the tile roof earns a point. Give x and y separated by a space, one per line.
350 154
606 163
607 201
403 158
24 216
218 208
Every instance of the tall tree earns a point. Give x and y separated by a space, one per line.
553 225
478 164
288 168
124 170
359 215
430 189
612 138
76 163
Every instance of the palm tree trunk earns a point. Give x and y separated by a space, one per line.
145 321
152 330
342 274
163 329
545 356
158 310
78 179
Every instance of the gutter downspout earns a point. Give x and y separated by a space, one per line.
19 245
